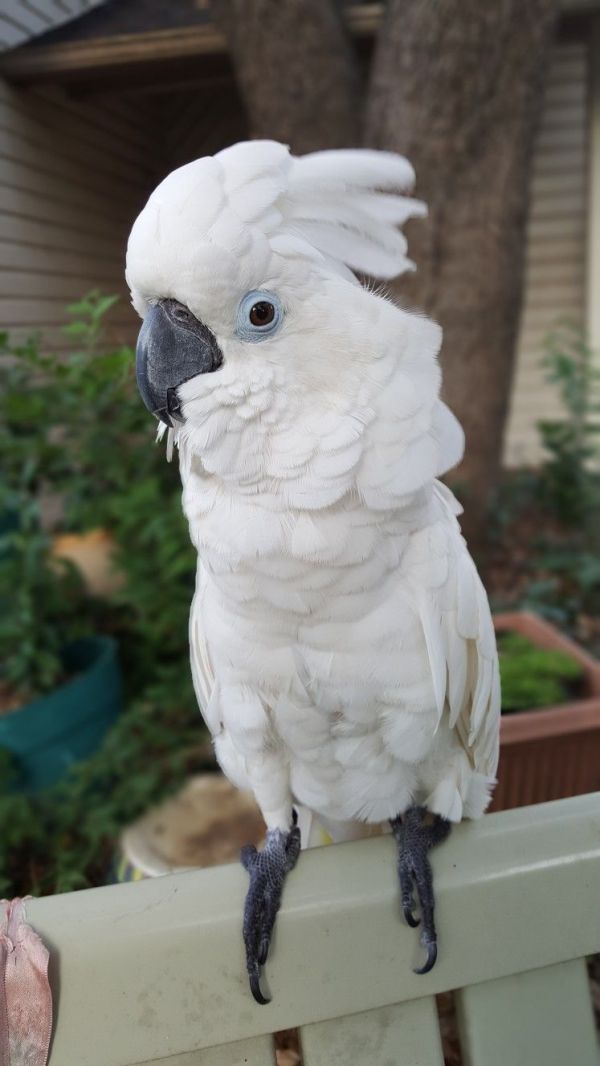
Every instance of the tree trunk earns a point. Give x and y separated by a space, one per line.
457 87
296 69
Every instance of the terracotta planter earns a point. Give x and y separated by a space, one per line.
550 752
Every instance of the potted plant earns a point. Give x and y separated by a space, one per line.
92 516
550 728
59 679
60 686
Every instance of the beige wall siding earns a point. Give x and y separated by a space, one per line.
73 175
556 249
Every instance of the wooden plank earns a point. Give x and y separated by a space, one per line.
563 138
540 1018
546 319
29 140
64 192
43 234
258 1051
34 284
169 950
556 271
405 1034
572 180
80 123
92 114
37 207
84 120
41 313
25 257
71 184
566 293
558 228
593 201
31 21
12 33
565 249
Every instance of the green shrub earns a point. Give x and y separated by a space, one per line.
571 479
74 427
534 677
546 521
64 838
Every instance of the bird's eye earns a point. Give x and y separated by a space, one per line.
260 315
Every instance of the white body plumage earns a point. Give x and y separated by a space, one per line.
342 648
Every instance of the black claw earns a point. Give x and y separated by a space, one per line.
429 963
409 917
268 870
415 836
255 988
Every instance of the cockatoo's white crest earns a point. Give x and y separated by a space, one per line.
220 220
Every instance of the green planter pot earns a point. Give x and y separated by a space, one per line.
47 736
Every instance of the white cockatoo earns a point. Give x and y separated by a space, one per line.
342 648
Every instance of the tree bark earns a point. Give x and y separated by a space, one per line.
457 87
296 69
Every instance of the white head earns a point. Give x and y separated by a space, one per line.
241 265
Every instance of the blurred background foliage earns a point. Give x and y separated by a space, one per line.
76 440
543 551
79 454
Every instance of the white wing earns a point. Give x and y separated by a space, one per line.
459 634
202 672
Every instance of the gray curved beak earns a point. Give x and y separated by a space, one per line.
168 353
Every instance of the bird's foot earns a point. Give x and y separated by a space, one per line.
268 870
416 832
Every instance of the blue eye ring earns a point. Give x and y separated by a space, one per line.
259 316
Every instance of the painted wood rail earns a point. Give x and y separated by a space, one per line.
153 972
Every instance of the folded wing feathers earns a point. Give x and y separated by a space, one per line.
464 666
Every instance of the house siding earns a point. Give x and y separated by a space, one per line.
20 22
73 175
555 285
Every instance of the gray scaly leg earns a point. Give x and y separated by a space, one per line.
268 870
416 832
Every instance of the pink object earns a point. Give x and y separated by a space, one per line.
25 996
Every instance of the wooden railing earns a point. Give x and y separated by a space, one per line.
153 971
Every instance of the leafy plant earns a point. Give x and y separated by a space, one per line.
534 677
39 611
546 530
74 428
64 838
40 603
571 481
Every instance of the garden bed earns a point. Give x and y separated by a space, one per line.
552 752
